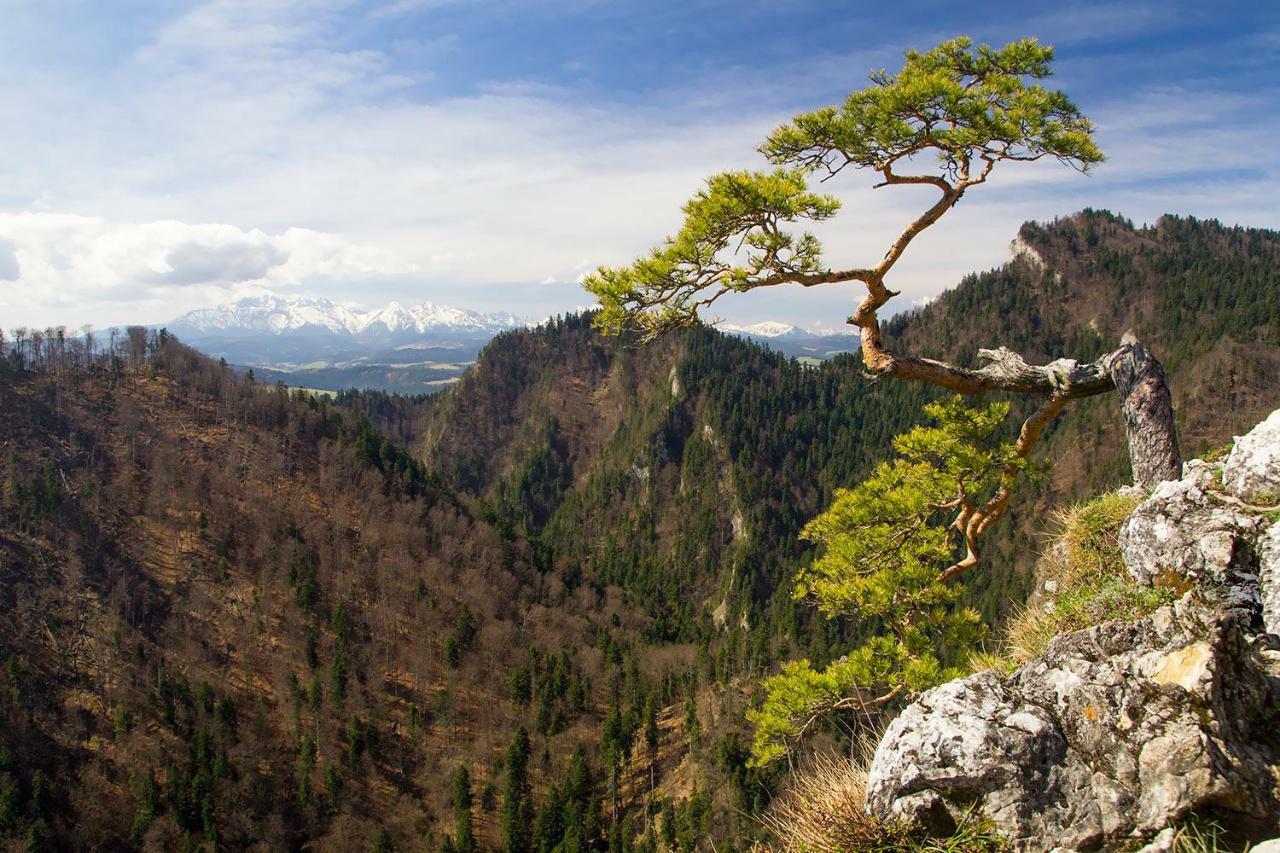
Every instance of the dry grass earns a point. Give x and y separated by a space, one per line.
1090 536
823 811
1093 585
986 661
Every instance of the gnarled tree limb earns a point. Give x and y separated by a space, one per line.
966 107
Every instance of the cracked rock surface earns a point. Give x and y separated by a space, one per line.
1119 730
1252 469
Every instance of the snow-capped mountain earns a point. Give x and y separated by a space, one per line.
774 330
767 329
427 316
278 315
272 315
817 343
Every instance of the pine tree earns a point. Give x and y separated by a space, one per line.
651 739
516 809
464 836
613 747
692 725
883 545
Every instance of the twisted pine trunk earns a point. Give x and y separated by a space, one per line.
1148 415
1132 371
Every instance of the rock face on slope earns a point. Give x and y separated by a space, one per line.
1195 531
1119 730
1252 470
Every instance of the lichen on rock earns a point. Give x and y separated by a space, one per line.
1190 531
1252 469
1118 731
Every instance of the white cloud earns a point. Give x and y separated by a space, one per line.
66 260
9 267
236 116
337 171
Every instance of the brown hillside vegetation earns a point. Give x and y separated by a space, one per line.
241 618
227 624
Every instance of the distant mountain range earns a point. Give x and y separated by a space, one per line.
279 315
313 342
772 330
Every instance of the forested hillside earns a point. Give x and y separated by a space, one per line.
529 611
684 469
239 618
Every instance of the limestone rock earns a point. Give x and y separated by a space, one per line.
1114 733
965 740
1252 469
1188 532
1268 550
1162 843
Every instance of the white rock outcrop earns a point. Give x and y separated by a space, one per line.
1118 731
1114 733
1191 530
1252 469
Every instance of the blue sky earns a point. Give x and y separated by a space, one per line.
161 156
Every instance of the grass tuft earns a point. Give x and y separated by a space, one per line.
1093 585
823 812
1218 453
986 661
1199 835
1090 536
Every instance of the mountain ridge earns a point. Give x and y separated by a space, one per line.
277 315
313 342
245 614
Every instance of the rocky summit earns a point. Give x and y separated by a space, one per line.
1118 731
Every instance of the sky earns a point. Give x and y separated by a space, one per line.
163 156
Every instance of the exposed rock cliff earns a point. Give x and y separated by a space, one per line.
1119 730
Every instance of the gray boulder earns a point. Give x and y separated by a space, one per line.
1252 469
1190 532
1114 733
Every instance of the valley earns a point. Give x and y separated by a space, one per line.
260 619
309 342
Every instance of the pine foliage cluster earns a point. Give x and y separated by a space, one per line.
883 545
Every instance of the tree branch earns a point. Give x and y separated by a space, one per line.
844 703
974 523
1004 371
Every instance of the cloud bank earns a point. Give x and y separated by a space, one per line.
89 267
343 164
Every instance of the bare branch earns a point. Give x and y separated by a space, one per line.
1005 371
